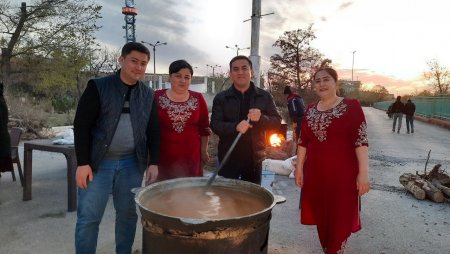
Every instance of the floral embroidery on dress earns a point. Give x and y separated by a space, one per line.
319 121
362 135
178 113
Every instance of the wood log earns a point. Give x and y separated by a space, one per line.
409 181
441 187
418 192
432 192
433 173
406 177
445 181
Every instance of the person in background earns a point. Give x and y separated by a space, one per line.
5 140
332 164
389 111
247 109
398 108
184 124
296 109
117 140
410 109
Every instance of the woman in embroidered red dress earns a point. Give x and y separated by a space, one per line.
184 124
332 167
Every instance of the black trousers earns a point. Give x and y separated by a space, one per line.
245 170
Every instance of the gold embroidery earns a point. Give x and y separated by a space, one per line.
319 121
178 113
362 135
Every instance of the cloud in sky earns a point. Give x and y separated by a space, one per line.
156 21
394 39
394 85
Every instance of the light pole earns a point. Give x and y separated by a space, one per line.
213 67
353 62
236 48
154 52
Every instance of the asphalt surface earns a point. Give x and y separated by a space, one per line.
393 221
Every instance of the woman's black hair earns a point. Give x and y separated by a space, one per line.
177 65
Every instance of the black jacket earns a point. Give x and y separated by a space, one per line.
225 118
398 107
410 108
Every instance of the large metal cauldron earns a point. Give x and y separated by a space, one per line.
165 234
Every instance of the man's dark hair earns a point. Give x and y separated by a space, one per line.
177 65
287 90
130 46
241 58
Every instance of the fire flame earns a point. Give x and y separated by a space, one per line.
276 139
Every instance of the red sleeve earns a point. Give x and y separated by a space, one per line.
303 140
203 124
358 125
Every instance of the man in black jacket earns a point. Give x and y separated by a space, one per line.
410 109
398 108
247 109
116 128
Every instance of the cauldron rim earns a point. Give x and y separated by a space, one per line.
220 181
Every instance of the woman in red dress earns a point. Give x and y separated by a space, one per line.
184 124
332 167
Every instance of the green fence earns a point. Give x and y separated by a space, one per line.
436 107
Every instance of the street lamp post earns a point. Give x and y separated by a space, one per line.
236 48
154 52
353 62
213 67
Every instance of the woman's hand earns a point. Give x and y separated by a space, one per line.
204 156
362 183
298 173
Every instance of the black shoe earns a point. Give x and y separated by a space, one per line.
407 132
398 131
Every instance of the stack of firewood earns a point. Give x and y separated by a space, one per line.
434 185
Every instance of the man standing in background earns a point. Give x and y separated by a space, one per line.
410 109
398 109
296 109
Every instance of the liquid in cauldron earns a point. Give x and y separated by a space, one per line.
202 202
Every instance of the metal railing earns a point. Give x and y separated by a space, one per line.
433 106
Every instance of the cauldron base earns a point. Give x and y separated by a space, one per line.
252 243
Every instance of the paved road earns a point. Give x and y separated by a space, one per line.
393 221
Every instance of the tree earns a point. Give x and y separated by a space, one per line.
376 94
44 28
297 61
438 77
104 61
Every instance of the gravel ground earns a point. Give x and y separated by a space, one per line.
393 221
